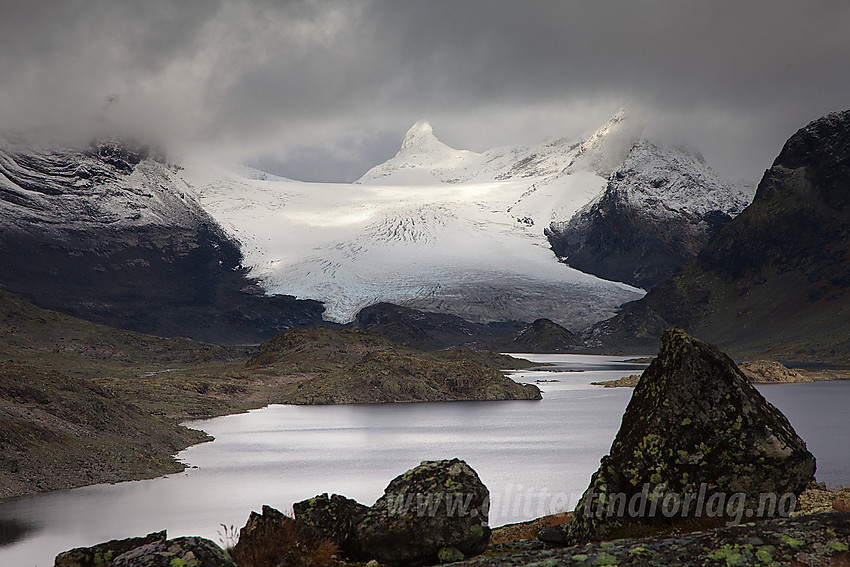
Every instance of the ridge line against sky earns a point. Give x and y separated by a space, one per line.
323 90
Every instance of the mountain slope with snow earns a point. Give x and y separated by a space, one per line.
111 234
659 208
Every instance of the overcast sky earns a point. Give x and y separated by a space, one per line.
323 90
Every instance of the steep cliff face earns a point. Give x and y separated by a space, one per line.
659 208
111 234
774 280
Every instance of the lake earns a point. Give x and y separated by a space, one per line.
536 457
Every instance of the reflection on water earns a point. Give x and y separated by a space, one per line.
535 457
12 531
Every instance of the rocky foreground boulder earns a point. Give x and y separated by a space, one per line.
178 552
153 550
102 554
697 444
434 513
335 517
272 539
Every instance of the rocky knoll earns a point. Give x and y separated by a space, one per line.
773 282
434 513
697 443
430 331
543 335
770 372
756 371
352 366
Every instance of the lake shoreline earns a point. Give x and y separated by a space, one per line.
311 446
158 403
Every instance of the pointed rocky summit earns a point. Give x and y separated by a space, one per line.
418 134
697 444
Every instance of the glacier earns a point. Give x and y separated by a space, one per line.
434 228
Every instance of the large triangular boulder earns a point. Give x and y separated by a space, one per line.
697 443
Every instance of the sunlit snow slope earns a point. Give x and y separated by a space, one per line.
434 228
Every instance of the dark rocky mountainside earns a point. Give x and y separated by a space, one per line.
773 282
542 335
112 235
694 425
659 208
435 331
430 331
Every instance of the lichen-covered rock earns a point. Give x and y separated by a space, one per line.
102 554
178 552
435 512
335 517
696 441
807 541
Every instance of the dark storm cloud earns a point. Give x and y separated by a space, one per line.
325 89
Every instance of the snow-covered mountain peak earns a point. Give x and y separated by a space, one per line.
606 148
420 136
422 159
662 180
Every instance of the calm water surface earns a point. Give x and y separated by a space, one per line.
535 457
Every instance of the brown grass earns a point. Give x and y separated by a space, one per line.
841 502
287 543
528 530
641 530
841 559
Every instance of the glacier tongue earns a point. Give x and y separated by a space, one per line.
472 249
